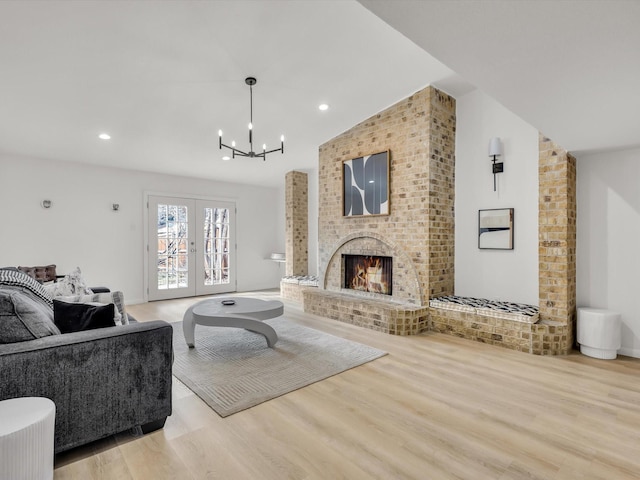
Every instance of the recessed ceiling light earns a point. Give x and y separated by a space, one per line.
323 107
226 157
104 136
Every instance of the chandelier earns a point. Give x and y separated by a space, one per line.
251 81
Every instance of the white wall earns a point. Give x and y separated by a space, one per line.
510 275
608 262
80 229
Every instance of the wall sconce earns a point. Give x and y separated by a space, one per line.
495 150
115 207
46 203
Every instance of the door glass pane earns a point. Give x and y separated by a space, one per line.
216 241
172 259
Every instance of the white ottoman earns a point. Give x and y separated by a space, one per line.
26 438
599 333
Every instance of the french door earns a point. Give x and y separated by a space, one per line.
191 247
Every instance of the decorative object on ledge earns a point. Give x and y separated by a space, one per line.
495 229
278 257
365 185
495 150
115 207
46 203
251 81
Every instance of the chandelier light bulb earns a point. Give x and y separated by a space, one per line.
282 138
219 133
264 146
233 143
250 126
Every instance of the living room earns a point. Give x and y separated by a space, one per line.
82 227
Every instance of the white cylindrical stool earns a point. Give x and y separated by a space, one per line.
26 438
599 332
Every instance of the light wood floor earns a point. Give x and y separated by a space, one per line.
436 407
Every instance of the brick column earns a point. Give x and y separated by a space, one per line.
442 146
557 243
297 223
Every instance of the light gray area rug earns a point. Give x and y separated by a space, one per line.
232 369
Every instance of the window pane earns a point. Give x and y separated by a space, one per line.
173 246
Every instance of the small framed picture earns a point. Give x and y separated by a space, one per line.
495 229
365 185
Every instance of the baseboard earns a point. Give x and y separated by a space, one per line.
135 301
629 352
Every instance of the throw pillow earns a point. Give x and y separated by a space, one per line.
24 316
120 316
26 283
71 284
42 274
76 317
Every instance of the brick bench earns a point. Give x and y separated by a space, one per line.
510 325
292 286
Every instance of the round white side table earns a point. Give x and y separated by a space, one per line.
26 438
599 333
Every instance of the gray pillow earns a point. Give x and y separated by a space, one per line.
23 316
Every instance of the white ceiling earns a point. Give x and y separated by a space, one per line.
570 68
163 76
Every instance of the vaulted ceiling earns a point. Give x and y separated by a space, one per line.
570 68
161 77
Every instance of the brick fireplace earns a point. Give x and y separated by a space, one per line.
405 286
418 234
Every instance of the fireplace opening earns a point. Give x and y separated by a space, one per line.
368 273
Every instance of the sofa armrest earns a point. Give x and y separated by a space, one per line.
102 381
100 289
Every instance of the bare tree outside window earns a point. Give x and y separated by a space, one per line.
216 242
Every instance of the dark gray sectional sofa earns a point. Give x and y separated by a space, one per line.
102 381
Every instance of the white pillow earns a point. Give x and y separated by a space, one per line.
71 284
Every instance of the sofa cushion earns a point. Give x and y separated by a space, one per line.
77 317
117 298
24 316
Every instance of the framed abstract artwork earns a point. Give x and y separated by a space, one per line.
365 185
495 229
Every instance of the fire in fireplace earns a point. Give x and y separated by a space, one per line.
368 273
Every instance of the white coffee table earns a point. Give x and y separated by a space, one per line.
246 313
